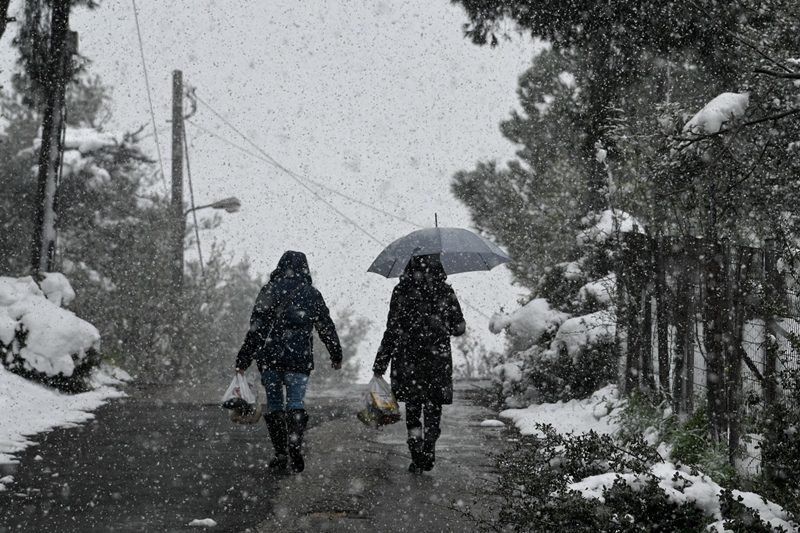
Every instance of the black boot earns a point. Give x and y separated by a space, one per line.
428 454
296 421
276 425
415 446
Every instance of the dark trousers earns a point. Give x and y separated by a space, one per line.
429 429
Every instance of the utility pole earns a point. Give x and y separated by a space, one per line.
178 224
63 44
179 221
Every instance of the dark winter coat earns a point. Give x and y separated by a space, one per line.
423 315
285 312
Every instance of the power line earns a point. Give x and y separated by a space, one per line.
149 97
292 175
300 180
306 178
191 199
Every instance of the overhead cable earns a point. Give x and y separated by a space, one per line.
149 96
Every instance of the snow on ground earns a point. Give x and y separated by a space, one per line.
202 522
681 486
29 408
717 112
573 416
54 334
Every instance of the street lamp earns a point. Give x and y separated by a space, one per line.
230 205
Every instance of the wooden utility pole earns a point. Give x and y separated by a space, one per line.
62 44
179 221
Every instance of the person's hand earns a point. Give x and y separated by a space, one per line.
378 375
336 365
240 371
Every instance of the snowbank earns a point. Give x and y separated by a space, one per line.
530 322
681 486
582 332
574 416
29 408
52 335
606 224
717 112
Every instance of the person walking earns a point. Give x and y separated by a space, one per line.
280 340
424 313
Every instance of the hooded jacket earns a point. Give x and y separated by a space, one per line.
424 313
284 315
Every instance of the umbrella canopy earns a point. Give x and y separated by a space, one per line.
460 250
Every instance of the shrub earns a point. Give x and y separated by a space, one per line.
535 478
780 447
561 378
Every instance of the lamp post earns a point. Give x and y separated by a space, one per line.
230 205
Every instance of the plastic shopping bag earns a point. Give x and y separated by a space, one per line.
242 401
380 407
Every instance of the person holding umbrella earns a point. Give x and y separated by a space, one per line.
423 314
280 340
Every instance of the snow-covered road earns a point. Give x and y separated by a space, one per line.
145 464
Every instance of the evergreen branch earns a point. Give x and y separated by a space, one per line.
738 37
775 74
697 138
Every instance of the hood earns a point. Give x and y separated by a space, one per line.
292 265
424 270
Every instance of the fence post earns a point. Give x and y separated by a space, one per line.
662 318
714 318
772 291
693 284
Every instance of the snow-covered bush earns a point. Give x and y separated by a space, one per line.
687 441
563 341
40 339
590 482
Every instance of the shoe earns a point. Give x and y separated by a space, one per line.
414 468
296 421
276 425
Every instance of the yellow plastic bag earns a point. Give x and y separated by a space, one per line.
381 407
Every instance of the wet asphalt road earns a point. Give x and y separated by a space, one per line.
148 465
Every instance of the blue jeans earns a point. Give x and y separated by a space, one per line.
275 382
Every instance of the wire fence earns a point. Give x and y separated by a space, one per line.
670 292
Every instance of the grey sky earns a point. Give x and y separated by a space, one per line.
381 100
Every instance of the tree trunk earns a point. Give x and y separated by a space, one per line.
4 20
43 244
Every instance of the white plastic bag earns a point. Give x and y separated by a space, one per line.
381 407
239 388
242 399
